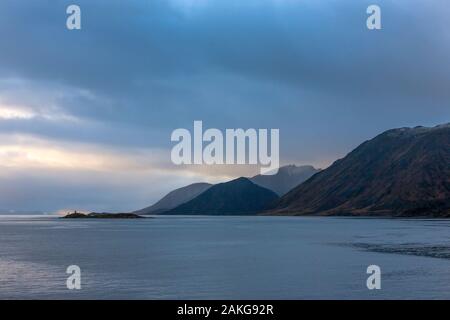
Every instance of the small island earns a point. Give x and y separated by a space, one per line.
103 215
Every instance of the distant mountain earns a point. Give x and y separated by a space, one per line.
287 178
237 197
401 172
175 198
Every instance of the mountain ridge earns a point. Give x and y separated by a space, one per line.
400 172
236 197
175 198
286 178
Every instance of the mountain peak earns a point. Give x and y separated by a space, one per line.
286 178
411 131
243 180
237 197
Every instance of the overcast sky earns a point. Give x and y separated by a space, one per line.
86 116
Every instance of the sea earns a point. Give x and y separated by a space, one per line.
210 257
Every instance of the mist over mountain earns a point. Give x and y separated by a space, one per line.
401 172
236 197
175 198
286 178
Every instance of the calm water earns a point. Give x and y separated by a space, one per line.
224 258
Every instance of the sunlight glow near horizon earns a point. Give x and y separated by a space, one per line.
30 152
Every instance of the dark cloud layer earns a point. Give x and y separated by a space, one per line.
139 69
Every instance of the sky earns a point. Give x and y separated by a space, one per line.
86 115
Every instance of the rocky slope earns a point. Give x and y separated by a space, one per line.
401 172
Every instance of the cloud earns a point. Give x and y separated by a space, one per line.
8 113
105 99
27 152
38 174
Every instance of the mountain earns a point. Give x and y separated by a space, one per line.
287 178
236 197
175 198
401 172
